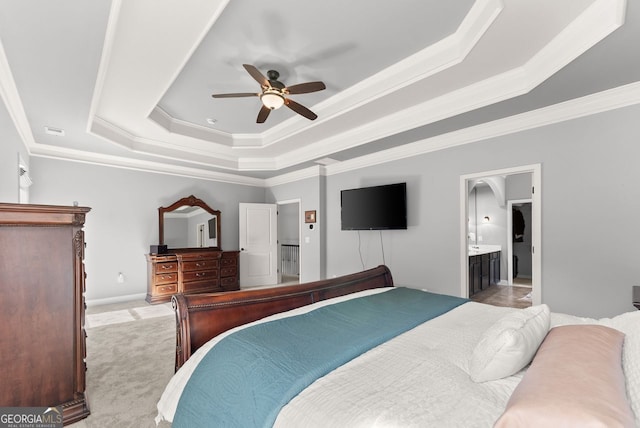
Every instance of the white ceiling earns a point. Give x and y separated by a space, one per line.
130 82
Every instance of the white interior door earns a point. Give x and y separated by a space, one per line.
258 244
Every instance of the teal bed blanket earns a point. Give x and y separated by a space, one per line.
251 374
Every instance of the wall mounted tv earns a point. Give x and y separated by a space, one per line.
374 208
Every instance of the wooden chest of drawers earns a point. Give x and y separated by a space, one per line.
191 272
42 285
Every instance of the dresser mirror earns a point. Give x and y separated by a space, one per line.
189 223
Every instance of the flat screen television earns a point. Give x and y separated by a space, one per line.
374 208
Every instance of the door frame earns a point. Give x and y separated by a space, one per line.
510 235
287 202
536 226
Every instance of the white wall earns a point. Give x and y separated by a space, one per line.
123 220
11 148
589 205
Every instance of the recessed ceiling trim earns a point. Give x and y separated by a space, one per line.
598 21
65 154
291 177
612 99
431 60
504 86
177 126
435 58
162 149
165 53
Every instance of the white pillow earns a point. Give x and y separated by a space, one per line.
509 344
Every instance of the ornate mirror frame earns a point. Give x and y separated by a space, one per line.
193 202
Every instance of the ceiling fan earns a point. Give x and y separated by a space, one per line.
274 93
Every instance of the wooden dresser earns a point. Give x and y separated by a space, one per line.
191 271
42 284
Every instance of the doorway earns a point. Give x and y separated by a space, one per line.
519 242
270 252
470 229
289 249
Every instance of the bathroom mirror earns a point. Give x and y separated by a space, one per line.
189 223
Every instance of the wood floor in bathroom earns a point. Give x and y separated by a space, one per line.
513 296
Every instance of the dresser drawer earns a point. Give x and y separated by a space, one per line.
229 282
228 271
165 278
228 261
203 286
166 289
200 275
166 267
204 264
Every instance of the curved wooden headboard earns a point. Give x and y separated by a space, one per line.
200 317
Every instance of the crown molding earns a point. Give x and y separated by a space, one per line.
79 156
620 97
302 174
592 25
611 99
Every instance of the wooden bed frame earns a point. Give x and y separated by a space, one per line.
200 317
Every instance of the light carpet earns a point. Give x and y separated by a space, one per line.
127 315
129 363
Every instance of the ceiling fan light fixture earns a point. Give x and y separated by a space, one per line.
272 99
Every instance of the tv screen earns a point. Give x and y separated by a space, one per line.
374 208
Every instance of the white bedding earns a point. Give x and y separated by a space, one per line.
418 379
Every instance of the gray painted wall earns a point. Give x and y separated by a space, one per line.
311 239
589 206
289 222
123 220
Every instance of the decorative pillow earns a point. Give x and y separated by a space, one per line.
575 380
629 324
510 344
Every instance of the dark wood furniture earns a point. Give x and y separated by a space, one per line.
191 271
201 269
484 271
200 317
42 284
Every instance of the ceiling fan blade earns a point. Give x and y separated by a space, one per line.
255 73
300 109
240 94
305 88
263 114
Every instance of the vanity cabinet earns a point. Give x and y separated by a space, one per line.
484 271
42 285
188 272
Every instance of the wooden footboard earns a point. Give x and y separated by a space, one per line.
200 317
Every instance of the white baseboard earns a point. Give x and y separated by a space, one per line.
117 299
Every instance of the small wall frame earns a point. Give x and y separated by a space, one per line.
310 216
